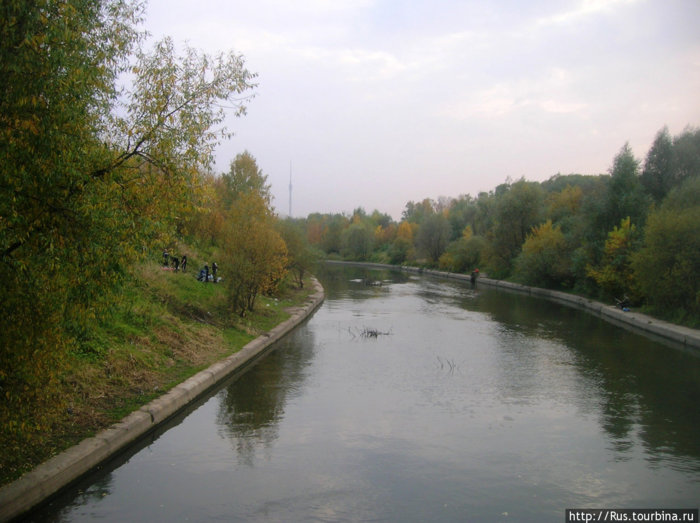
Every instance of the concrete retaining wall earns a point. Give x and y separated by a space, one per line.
641 322
55 474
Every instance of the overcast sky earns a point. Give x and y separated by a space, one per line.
378 102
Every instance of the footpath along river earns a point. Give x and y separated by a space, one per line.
421 400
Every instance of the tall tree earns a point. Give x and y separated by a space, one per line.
357 241
686 155
462 213
245 176
626 197
417 212
255 255
331 239
667 268
614 274
657 176
545 259
379 219
402 247
433 236
91 173
300 256
518 208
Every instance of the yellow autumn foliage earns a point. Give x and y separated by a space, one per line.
254 253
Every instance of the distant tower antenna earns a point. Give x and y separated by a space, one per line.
290 189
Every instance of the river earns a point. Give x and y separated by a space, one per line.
421 400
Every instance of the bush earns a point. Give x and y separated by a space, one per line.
357 242
614 275
545 259
463 255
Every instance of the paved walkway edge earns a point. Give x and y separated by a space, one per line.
60 471
635 320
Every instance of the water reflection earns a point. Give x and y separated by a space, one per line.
479 405
640 392
251 407
644 389
86 495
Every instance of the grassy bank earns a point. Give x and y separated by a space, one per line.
164 328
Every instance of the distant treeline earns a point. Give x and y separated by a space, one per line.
633 232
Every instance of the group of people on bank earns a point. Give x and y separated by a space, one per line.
177 263
205 276
173 262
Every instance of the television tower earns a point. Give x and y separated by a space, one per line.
290 189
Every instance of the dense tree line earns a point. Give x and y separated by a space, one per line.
633 232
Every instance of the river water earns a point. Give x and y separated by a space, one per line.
422 400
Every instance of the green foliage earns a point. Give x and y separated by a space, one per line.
559 182
91 175
254 254
564 205
301 257
432 236
323 231
244 176
417 212
162 327
667 268
578 232
401 249
615 275
657 176
545 259
461 214
625 196
379 219
463 255
357 241
686 156
518 208
57 90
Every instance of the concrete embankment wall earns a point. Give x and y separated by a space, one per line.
645 324
57 473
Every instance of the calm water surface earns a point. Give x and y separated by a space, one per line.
467 406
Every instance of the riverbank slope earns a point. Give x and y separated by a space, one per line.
193 345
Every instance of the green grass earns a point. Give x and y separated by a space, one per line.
163 328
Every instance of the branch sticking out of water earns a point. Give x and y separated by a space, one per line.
367 332
373 333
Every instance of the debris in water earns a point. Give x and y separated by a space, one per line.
368 333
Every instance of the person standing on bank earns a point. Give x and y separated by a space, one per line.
214 267
183 263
